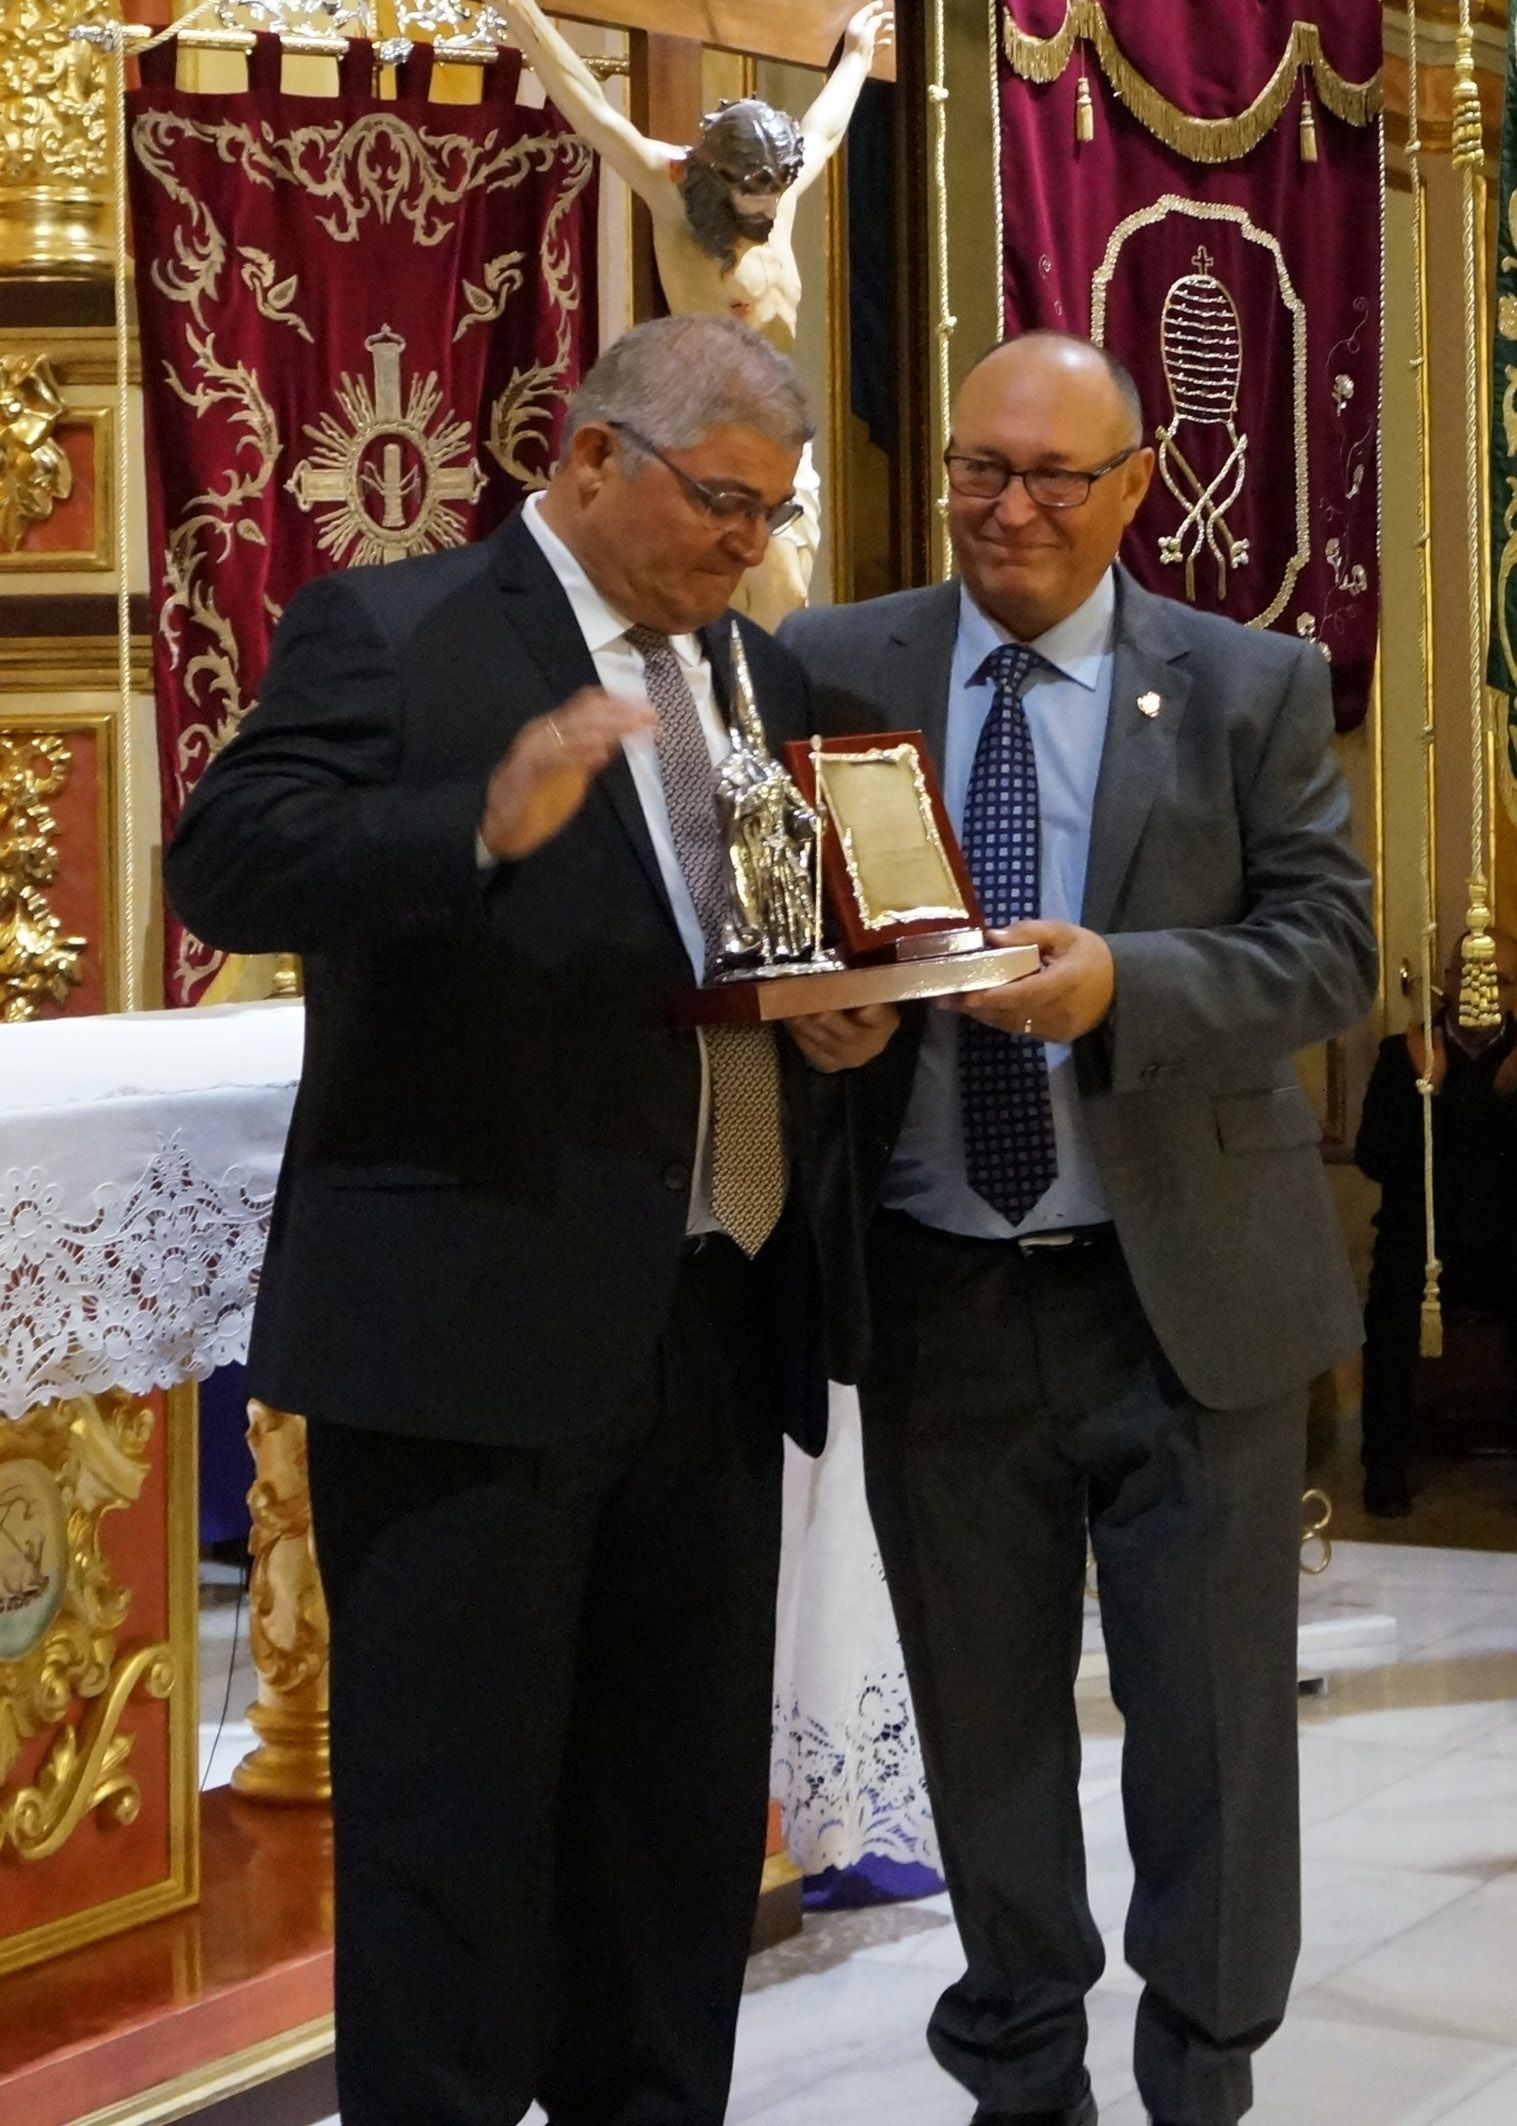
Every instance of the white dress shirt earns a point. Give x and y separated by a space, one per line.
619 668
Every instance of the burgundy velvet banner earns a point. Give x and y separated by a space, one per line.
1244 295
360 321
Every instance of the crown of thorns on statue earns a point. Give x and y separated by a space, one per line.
750 139
744 147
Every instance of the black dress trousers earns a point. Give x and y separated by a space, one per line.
1015 1404
551 1682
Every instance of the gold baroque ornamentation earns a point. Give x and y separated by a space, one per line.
35 475
1200 139
287 1611
52 94
86 1768
288 1625
38 963
93 1452
1216 210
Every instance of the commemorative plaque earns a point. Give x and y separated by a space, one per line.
846 883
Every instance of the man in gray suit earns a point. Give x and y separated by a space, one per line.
1101 1259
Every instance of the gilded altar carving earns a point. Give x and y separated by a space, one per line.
52 94
39 962
35 475
54 144
62 1470
288 1625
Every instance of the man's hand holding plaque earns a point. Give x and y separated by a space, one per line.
1070 994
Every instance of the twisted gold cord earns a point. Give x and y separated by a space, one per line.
131 987
1432 1314
1478 1003
937 98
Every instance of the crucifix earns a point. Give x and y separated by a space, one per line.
721 210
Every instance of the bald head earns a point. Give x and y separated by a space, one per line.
1081 363
1043 402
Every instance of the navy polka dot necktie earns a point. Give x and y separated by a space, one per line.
1009 1151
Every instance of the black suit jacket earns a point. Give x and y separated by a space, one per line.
483 1201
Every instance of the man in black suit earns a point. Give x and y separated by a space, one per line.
1104 1264
534 1275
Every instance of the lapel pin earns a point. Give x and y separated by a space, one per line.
1148 705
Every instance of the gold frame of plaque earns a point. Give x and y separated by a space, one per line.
896 881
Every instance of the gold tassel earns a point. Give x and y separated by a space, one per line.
1085 114
1308 129
1431 1341
1479 992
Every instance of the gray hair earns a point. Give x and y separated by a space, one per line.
675 377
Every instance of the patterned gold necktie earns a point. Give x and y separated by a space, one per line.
747 1146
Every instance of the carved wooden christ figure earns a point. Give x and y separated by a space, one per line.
724 221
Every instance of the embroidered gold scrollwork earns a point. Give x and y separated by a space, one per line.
1201 353
1199 139
522 411
502 278
1217 211
272 297
386 484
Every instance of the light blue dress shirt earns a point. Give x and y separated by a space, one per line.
1066 712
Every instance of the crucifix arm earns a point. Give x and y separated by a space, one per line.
826 122
643 164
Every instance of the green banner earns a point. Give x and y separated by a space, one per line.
1501 668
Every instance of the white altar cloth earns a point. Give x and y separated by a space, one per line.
138 1156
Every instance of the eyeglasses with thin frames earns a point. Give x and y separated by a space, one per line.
1050 486
726 505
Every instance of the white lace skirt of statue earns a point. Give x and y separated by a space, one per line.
847 1769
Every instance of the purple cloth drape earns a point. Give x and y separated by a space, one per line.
1245 296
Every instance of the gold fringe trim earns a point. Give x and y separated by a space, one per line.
1199 139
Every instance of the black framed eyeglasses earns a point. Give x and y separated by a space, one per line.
725 505
1050 486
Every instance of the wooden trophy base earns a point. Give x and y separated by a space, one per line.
800 994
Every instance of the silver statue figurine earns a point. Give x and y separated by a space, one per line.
772 839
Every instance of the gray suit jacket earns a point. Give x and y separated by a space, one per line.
1222 876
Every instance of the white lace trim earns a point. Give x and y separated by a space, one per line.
854 1787
153 1284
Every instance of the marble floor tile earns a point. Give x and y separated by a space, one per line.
1405 2008
1494 2103
1342 1771
1450 1974
1457 1815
